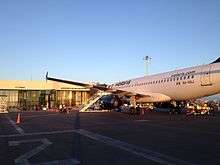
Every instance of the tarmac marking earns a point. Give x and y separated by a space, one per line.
141 152
18 129
23 159
138 151
141 120
60 162
37 133
71 131
33 116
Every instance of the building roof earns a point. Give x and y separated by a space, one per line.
38 85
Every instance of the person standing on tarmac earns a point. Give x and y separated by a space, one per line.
134 111
138 109
131 111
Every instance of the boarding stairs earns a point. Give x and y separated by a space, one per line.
92 100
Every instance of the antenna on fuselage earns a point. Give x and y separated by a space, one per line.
146 61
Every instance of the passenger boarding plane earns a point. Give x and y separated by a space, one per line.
178 85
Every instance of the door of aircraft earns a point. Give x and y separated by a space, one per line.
206 76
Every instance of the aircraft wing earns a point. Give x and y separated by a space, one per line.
100 87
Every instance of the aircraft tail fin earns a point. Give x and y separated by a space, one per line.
46 76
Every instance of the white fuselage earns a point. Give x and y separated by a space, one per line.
183 84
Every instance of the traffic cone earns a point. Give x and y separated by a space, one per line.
18 121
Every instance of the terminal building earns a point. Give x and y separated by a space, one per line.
35 94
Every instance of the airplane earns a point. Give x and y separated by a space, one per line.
178 85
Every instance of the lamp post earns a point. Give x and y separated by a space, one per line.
146 60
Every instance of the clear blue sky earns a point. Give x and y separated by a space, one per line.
105 40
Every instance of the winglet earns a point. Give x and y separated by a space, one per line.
46 76
216 61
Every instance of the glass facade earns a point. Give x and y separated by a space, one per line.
71 98
12 96
29 98
33 99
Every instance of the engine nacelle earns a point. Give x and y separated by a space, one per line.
155 97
